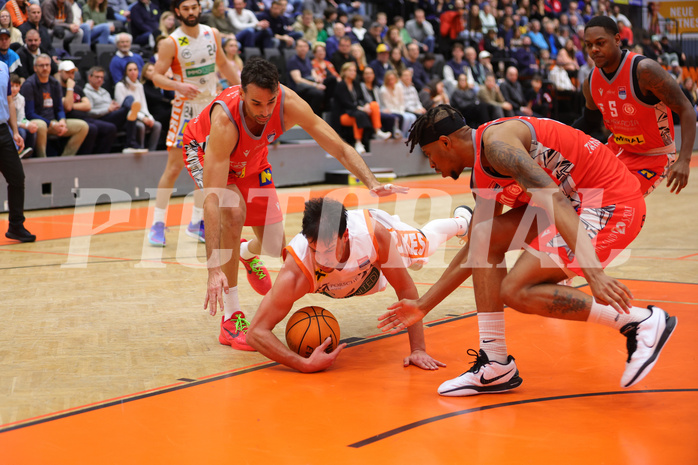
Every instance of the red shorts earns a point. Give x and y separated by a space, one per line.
611 229
650 170
257 189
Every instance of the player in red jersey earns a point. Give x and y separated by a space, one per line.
225 151
635 96
585 208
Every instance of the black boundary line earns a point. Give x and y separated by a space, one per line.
402 429
273 364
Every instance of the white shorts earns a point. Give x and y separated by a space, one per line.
183 111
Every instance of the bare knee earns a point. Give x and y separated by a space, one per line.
514 293
232 220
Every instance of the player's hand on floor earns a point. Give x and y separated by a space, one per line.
400 315
320 360
388 189
423 360
217 286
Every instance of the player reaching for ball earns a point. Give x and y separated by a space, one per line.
225 151
341 254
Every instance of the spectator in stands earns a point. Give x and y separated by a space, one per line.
168 23
412 102
344 55
419 77
48 113
431 68
513 92
371 41
100 16
34 22
393 100
464 99
351 7
433 94
477 70
382 63
560 79
159 104
145 23
106 109
350 109
358 31
302 80
452 22
472 34
305 24
316 7
545 63
393 40
57 16
249 31
551 38
527 63
146 123
566 59
485 59
537 39
487 19
281 29
332 44
219 19
123 55
396 60
27 129
455 67
539 99
77 20
29 52
491 95
619 17
321 67
7 55
100 135
506 31
230 49
6 23
421 31
18 11
584 71
371 92
574 12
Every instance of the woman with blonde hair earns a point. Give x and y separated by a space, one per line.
358 54
230 50
393 100
6 23
168 23
351 109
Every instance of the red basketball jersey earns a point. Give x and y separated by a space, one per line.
637 127
249 156
586 171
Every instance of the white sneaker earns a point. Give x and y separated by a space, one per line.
359 147
465 212
382 135
645 342
483 377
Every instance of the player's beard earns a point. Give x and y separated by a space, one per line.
190 21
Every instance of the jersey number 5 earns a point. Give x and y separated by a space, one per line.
612 107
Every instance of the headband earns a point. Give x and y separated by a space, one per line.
443 127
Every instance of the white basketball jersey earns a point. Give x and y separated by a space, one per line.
195 61
360 274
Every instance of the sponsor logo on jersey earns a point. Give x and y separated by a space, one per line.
183 41
629 109
632 140
647 174
600 91
201 71
363 261
186 54
265 177
189 63
271 136
621 93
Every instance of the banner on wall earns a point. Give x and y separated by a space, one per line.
684 12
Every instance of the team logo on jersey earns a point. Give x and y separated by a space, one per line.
271 136
600 91
621 93
265 177
629 109
186 54
619 228
183 41
647 174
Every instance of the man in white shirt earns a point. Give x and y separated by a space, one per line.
412 102
249 31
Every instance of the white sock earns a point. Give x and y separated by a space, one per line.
159 215
439 231
197 214
608 316
245 253
492 341
231 303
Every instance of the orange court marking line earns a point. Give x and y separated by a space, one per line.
61 226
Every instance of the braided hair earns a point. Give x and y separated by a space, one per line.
425 123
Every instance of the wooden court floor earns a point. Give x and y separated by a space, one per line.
107 356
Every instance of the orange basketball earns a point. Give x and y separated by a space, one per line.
308 328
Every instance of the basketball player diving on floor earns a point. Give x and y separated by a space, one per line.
342 254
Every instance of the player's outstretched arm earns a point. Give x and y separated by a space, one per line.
400 279
289 286
297 111
653 78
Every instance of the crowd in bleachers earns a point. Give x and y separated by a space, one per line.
82 71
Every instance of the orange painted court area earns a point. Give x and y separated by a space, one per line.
368 408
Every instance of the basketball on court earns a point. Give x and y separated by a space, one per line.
308 328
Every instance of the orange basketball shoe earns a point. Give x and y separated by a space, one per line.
257 274
234 332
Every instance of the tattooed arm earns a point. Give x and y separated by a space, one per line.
506 150
653 78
